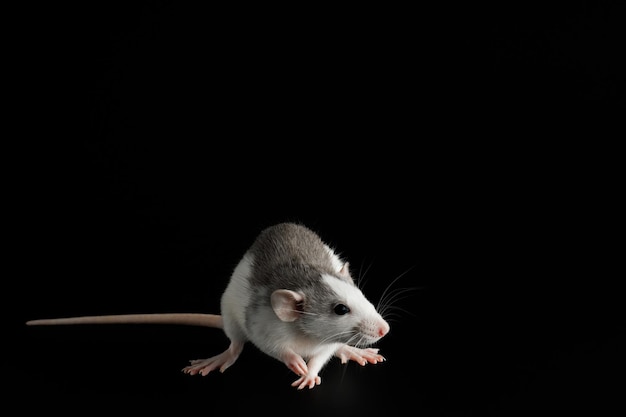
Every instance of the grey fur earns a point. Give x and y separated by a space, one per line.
289 255
292 256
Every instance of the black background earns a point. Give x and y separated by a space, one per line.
470 150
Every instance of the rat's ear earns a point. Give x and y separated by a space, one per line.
287 304
344 273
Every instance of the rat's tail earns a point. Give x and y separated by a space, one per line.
189 319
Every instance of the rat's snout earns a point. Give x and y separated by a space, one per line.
383 328
374 328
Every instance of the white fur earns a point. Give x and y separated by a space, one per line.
353 296
334 259
236 298
274 337
361 309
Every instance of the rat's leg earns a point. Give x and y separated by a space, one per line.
361 356
221 361
315 364
294 362
225 359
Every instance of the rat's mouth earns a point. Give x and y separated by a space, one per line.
363 339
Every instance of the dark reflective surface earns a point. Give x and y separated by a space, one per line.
438 148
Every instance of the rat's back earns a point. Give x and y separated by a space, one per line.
289 246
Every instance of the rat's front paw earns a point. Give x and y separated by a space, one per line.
361 356
307 381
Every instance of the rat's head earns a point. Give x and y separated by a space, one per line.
333 310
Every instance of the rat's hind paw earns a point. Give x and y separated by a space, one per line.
361 356
204 366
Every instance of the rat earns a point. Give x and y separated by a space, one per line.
290 295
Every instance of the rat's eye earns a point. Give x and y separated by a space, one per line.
341 309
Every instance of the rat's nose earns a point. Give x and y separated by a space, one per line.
383 328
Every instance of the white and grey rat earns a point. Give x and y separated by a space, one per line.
290 295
